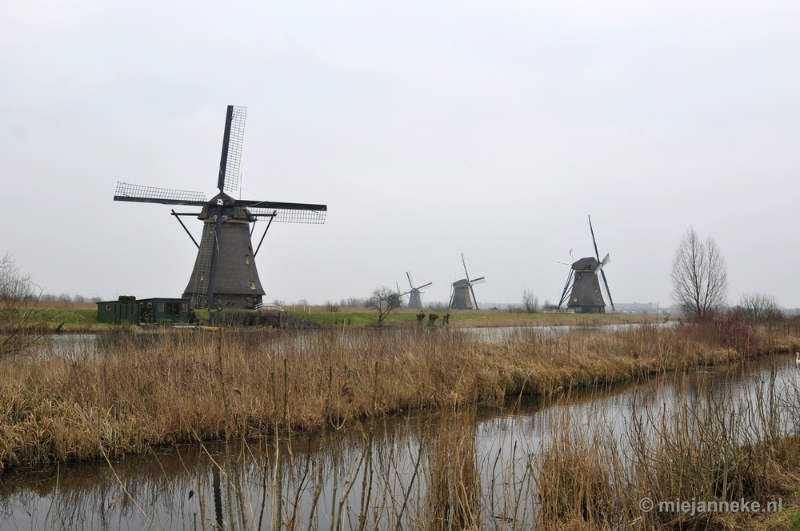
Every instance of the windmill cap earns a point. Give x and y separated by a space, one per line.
589 263
226 200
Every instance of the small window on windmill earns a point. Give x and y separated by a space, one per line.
202 275
247 259
149 304
252 285
108 306
210 228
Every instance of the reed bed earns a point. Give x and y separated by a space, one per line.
587 470
130 392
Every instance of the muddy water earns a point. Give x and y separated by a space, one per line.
388 474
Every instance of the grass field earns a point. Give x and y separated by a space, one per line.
82 317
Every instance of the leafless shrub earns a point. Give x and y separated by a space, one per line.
353 302
331 306
759 307
18 297
530 301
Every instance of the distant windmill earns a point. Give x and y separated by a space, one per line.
461 289
583 285
225 271
415 295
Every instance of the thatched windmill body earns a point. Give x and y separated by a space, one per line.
224 271
582 291
461 290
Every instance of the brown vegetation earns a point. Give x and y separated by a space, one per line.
140 390
711 448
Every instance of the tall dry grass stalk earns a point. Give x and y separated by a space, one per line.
712 447
587 470
453 483
129 392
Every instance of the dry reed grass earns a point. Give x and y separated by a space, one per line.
137 391
714 448
710 444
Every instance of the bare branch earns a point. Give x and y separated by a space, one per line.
384 301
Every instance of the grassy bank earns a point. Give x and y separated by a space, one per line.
141 390
69 317
467 318
49 319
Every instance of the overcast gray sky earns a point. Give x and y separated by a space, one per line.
428 128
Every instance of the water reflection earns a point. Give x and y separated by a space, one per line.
454 469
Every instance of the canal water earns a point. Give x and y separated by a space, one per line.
88 343
381 474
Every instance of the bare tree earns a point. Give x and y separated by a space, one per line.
384 301
699 276
530 301
759 307
18 297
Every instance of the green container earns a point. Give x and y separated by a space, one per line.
145 311
118 312
156 311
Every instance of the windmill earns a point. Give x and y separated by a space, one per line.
583 285
460 295
415 295
401 294
224 271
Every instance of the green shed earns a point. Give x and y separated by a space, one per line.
164 310
129 310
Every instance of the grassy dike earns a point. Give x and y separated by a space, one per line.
142 390
83 318
466 318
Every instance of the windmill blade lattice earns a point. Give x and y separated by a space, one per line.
150 194
465 266
235 142
288 212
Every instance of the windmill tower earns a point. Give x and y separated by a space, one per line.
583 285
461 289
225 271
415 295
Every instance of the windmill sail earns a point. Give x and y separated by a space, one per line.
287 212
232 142
150 194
